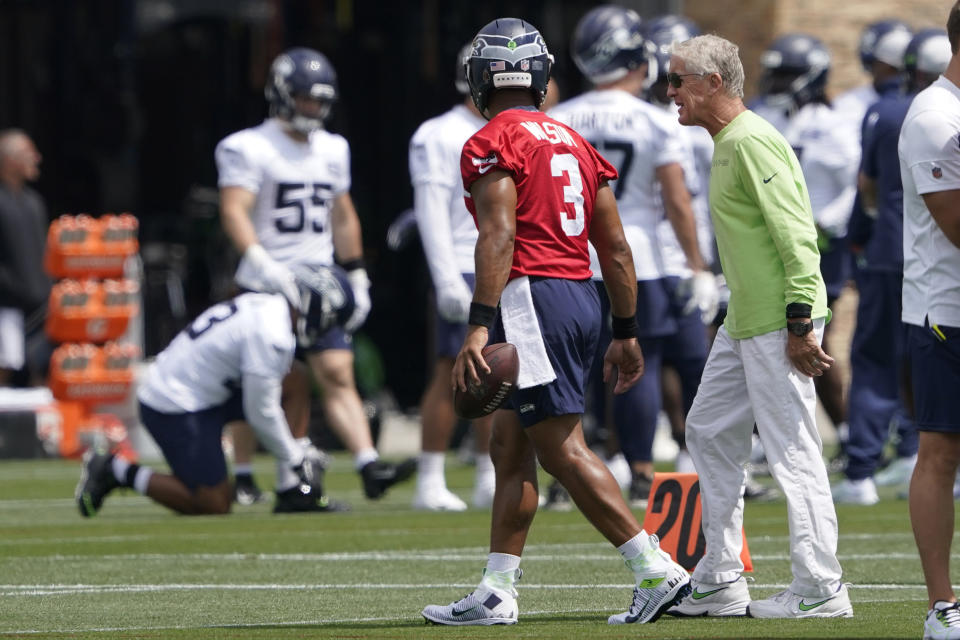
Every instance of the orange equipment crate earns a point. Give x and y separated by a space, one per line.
85 247
92 375
90 311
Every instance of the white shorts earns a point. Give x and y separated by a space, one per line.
11 338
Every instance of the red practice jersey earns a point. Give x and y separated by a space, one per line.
557 174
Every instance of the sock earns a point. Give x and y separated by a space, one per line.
244 469
131 475
364 457
141 479
638 552
486 476
501 571
304 442
286 477
430 469
119 466
942 604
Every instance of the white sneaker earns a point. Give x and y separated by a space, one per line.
943 621
788 604
437 499
714 600
483 496
657 589
684 463
897 472
620 469
862 492
482 606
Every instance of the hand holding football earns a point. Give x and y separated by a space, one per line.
494 387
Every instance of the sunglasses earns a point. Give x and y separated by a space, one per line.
676 79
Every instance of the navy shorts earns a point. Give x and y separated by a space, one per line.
448 336
659 305
836 267
333 338
568 315
935 364
191 441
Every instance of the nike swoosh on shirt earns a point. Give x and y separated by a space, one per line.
766 180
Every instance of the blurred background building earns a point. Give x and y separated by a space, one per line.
126 100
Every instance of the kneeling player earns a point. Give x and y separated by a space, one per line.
229 364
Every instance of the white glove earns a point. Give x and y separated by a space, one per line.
360 284
257 271
453 301
704 295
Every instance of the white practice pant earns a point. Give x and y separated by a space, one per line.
12 352
752 381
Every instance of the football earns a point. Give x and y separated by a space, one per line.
494 387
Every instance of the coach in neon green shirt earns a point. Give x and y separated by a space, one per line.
763 360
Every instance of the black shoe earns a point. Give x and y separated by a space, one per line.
302 498
96 481
640 490
245 490
557 498
378 476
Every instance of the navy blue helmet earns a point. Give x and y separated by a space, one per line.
608 43
663 31
326 300
508 53
306 73
928 53
460 72
884 40
795 69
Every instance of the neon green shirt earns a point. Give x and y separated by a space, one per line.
764 227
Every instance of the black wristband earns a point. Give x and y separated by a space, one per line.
482 315
798 310
355 263
624 328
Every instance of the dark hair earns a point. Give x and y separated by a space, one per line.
953 28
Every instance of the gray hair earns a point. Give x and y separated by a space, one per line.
11 141
713 54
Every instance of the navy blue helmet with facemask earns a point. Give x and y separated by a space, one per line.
508 53
795 70
609 42
326 300
301 72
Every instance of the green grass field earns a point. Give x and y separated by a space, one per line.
138 571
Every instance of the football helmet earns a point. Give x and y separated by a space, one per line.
326 300
886 41
460 72
608 43
795 69
663 31
508 53
301 72
928 53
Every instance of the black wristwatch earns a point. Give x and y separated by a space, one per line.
800 329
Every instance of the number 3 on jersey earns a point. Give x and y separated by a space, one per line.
566 163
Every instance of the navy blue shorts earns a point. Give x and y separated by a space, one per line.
935 365
448 336
191 441
568 314
659 306
836 267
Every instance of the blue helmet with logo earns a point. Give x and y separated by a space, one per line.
795 69
609 42
301 72
663 31
326 300
885 41
928 54
508 53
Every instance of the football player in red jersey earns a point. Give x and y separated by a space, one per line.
539 192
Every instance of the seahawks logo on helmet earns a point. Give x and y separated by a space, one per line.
326 300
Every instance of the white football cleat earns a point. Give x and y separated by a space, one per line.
438 499
657 589
861 492
483 496
897 472
714 600
788 604
942 622
483 606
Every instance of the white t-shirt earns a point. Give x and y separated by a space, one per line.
637 138
829 154
295 183
852 105
929 150
206 362
447 229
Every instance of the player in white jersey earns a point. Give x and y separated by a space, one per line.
649 150
448 235
285 201
227 364
796 67
929 150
